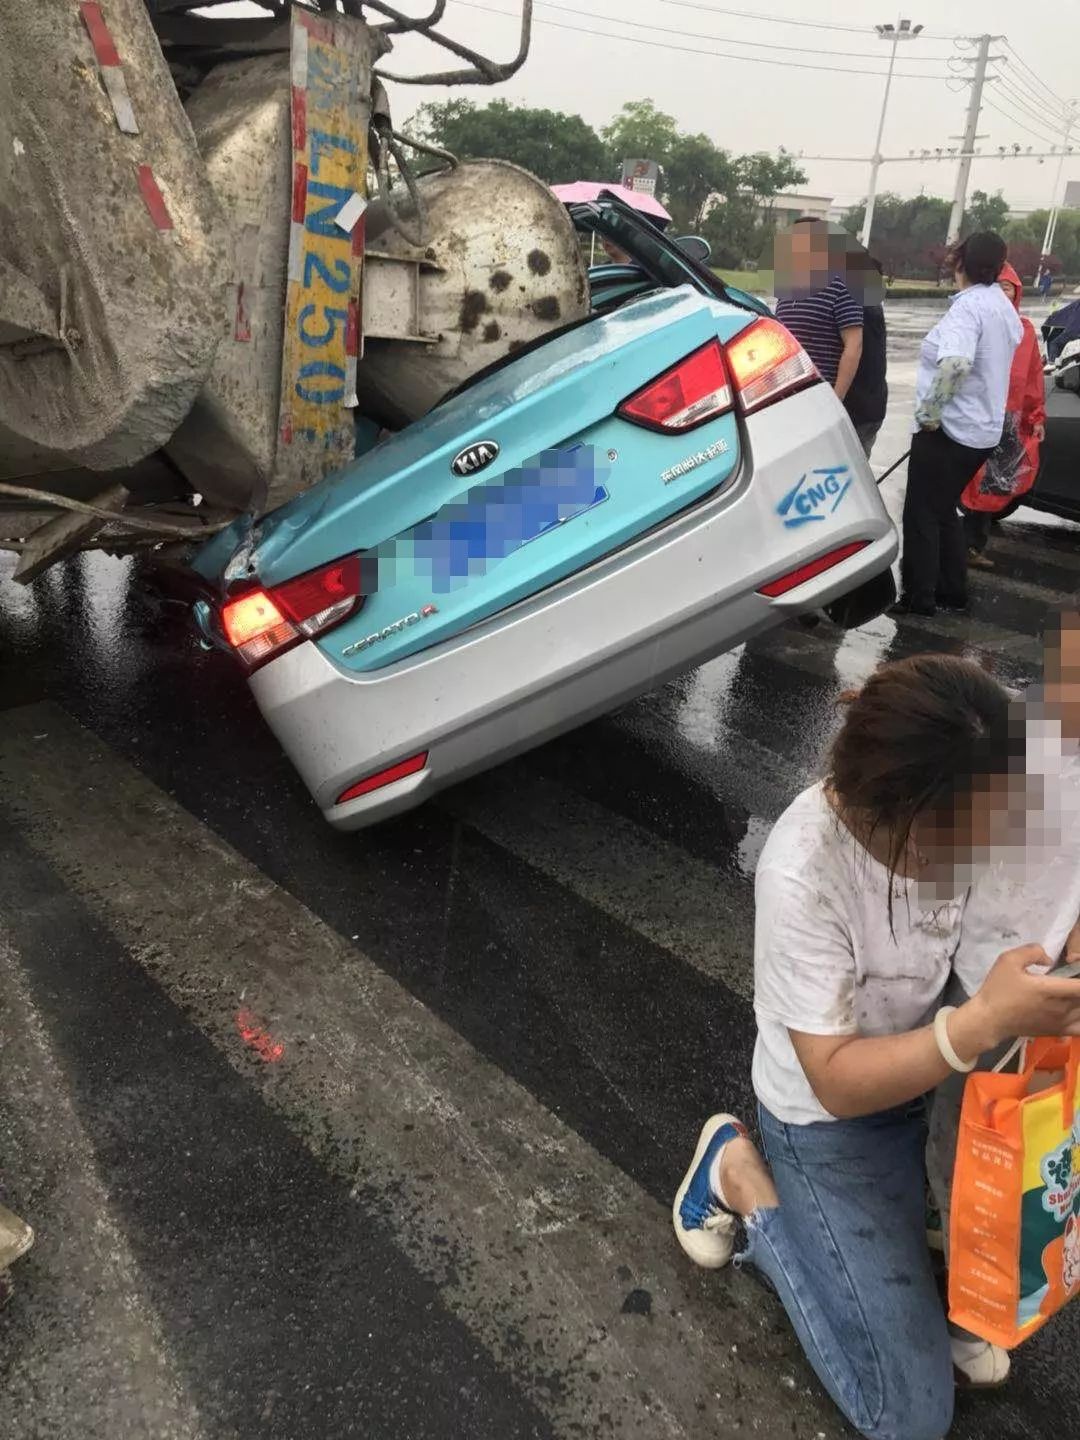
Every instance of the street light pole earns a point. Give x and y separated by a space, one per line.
902 30
1051 219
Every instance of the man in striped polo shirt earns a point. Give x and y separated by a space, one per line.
815 303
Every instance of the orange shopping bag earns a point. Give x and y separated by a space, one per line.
1015 1215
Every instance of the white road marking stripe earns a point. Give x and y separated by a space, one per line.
542 1237
102 1342
699 913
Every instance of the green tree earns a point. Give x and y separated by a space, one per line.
707 189
1025 238
908 235
986 212
641 131
555 146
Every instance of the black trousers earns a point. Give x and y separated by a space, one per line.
933 568
977 529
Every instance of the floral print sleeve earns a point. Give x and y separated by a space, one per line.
949 375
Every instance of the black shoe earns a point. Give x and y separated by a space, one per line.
905 607
954 607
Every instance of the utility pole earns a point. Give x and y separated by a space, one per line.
1051 219
978 79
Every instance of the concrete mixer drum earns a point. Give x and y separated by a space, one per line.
500 267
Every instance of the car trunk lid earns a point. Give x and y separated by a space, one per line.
508 487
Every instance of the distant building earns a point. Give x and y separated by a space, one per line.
784 210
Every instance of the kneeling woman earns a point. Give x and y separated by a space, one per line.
855 932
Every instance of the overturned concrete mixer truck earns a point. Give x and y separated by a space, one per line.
222 270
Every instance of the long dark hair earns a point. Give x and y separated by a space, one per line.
914 741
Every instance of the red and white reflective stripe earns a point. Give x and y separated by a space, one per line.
320 29
155 201
296 228
298 64
358 235
242 327
112 73
299 116
352 345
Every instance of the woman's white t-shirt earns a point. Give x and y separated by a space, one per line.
1030 894
825 959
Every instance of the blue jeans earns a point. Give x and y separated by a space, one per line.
846 1253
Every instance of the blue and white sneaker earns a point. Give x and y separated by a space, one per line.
704 1223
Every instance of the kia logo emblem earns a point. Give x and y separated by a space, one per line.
475 457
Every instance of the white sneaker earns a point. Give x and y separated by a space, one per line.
704 1224
978 1365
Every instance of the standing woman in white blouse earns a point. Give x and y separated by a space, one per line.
960 392
860 893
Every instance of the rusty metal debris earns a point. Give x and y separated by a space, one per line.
482 72
157 528
180 28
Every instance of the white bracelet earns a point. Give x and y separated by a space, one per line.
944 1044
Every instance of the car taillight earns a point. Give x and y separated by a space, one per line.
262 623
784 583
688 394
766 361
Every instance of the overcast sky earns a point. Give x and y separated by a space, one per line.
699 61
747 105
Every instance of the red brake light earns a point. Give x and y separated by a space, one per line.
262 623
688 394
766 361
384 777
309 599
812 567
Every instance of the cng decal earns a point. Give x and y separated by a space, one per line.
817 495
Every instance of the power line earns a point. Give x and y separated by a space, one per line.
1033 116
1054 96
696 50
1014 121
1054 119
784 19
1033 102
723 39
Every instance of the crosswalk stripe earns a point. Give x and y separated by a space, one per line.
80 1292
542 1240
679 902
849 660
1007 541
988 586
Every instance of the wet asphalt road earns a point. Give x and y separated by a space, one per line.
327 1136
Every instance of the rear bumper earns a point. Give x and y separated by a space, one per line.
587 645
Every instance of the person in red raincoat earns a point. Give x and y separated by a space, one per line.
1012 468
